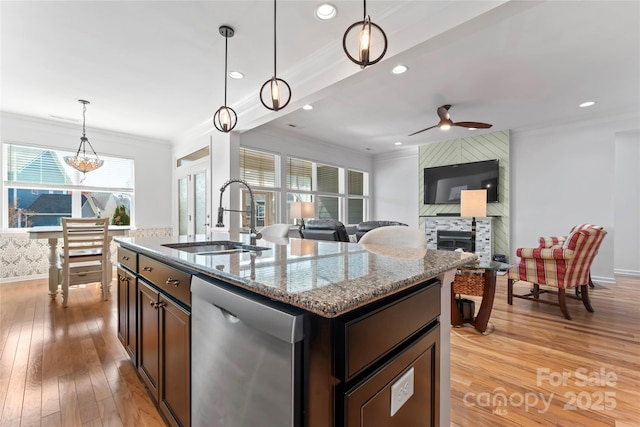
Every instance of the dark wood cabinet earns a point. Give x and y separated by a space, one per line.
369 403
127 319
164 353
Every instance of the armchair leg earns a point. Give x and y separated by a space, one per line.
591 285
536 291
563 304
584 291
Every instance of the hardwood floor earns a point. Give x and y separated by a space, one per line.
65 367
552 371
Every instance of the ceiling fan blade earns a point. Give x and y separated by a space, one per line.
443 112
477 125
431 127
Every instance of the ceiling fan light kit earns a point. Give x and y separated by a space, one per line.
82 162
275 93
363 35
225 118
446 123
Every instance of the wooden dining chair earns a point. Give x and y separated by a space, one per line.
85 253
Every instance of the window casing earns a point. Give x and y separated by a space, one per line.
39 188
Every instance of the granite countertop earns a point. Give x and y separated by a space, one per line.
325 278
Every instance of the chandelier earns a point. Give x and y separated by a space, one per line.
81 161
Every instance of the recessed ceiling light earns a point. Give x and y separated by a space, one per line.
587 104
397 143
326 11
307 107
236 75
399 69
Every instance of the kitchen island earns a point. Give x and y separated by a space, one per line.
375 325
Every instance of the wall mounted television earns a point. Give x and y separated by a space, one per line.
443 184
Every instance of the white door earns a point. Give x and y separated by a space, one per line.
194 206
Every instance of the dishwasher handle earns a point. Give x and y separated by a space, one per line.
284 323
232 318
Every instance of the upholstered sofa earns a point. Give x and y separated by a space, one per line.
365 226
325 229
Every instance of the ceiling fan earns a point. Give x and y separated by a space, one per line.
446 123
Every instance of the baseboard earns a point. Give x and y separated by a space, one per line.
635 273
599 279
23 278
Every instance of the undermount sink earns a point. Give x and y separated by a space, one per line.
218 247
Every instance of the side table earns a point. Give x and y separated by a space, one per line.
485 287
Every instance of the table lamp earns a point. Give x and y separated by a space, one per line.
301 210
473 203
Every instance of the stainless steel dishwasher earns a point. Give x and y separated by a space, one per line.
246 366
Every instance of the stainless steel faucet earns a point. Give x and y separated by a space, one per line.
253 234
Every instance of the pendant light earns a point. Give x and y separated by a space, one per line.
276 91
368 32
225 118
82 162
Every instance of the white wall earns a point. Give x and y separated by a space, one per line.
565 175
153 165
627 203
395 186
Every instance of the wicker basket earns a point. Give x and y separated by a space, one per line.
469 282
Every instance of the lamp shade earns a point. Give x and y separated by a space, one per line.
473 203
301 210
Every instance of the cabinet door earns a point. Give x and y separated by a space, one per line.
122 307
369 402
132 319
175 358
148 329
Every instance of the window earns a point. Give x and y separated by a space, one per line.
40 188
261 171
356 200
299 174
336 194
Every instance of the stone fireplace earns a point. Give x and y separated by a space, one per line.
453 231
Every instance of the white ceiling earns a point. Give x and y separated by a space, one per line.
156 69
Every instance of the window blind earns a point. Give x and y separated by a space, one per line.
299 174
258 168
356 183
328 179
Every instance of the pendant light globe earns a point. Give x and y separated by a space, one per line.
275 93
225 118
364 42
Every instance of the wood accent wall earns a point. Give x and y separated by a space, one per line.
488 146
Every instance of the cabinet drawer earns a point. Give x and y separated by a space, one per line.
128 258
364 340
174 282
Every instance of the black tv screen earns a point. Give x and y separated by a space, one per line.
443 184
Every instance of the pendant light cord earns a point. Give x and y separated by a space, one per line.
226 41
84 134
365 10
274 39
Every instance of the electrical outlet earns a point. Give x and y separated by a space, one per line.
401 391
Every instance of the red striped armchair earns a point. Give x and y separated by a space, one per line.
560 263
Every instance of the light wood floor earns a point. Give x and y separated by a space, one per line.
65 367
531 353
